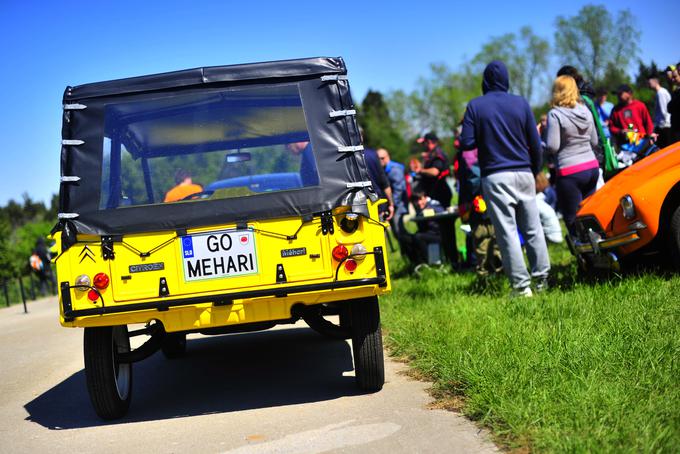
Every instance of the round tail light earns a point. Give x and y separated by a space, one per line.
92 295
340 252
101 281
350 265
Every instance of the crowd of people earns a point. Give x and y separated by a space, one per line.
515 177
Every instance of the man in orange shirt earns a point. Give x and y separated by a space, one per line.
185 187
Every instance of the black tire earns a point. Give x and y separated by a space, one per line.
673 239
369 364
174 345
315 318
109 382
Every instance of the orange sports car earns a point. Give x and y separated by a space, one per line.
637 211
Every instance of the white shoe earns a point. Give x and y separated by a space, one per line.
522 293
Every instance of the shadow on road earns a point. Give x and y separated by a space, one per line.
218 374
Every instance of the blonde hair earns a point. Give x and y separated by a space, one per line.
565 92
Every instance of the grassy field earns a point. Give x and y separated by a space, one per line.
584 367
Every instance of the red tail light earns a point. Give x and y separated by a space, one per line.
92 295
101 281
340 252
350 265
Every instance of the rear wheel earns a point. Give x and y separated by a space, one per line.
109 382
318 318
174 345
369 365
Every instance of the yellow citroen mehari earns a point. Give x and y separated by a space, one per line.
216 200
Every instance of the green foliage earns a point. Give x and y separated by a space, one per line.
601 45
526 56
437 104
584 367
379 128
593 39
21 224
17 214
613 77
24 239
6 256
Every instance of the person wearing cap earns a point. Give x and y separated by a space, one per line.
503 129
630 114
434 170
432 174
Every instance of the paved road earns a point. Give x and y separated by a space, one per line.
287 390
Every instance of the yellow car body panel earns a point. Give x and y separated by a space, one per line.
129 293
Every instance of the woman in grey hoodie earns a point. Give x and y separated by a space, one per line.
571 137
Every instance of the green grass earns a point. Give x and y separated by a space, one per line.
584 367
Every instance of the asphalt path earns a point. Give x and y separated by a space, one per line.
287 390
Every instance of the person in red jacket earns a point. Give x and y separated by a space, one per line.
629 114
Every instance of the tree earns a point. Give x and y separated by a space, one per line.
23 241
379 129
594 40
7 261
524 54
437 104
613 77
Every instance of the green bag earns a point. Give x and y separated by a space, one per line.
611 164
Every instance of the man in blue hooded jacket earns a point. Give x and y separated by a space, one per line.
503 129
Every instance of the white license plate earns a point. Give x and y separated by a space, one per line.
212 255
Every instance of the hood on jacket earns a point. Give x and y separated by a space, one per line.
495 77
578 115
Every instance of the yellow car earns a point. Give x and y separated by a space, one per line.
216 200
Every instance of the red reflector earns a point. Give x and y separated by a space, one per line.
101 281
92 295
350 265
340 252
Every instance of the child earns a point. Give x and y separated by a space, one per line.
472 209
428 235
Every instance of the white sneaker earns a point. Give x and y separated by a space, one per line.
522 293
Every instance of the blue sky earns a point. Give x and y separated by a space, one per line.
386 45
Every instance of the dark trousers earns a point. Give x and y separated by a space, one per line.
665 137
423 240
571 190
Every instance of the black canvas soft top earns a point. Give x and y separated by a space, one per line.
323 91
288 69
